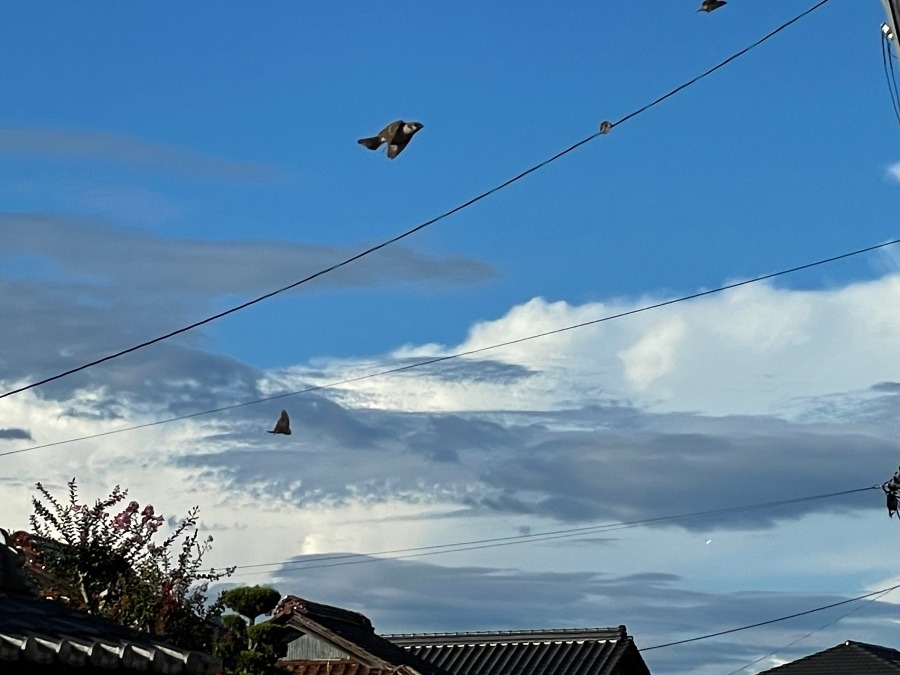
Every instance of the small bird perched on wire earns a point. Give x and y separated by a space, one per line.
397 136
711 5
283 425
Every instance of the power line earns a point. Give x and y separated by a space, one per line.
419 227
812 632
470 352
771 621
494 542
888 63
721 64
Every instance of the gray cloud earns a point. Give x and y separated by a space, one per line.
15 434
83 297
130 151
627 465
401 596
103 255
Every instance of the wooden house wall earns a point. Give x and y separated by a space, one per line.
309 647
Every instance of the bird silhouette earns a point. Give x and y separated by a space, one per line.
283 425
711 5
396 134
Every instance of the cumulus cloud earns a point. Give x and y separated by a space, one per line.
653 355
750 350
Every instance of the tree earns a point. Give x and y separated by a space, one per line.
110 565
250 649
251 601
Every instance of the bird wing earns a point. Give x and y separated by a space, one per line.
396 146
391 130
283 425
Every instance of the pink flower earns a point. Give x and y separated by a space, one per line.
148 511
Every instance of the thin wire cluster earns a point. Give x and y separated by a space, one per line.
887 61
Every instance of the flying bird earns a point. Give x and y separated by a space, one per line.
283 425
711 5
397 136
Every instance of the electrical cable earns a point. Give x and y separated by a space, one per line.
415 229
494 542
813 632
448 357
771 621
888 64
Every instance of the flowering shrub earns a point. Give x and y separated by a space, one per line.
112 566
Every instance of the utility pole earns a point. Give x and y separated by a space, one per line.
892 7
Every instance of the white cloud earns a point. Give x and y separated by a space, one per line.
653 355
894 171
750 350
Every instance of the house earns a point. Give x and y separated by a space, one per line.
589 651
848 658
326 640
47 636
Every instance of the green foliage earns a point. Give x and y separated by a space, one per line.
250 662
251 601
267 638
110 565
232 640
253 649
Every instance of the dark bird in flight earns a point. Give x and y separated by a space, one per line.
283 425
711 5
396 134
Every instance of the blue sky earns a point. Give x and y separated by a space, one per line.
159 164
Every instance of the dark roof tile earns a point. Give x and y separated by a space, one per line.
349 631
578 651
331 667
48 631
848 658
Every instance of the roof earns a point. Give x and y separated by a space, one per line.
42 631
331 667
848 658
579 651
350 632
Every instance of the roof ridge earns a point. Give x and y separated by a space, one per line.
618 630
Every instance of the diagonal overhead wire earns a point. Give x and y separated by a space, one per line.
771 621
494 542
813 632
606 127
470 352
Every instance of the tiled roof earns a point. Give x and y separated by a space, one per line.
331 667
48 631
849 658
350 632
40 631
595 651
